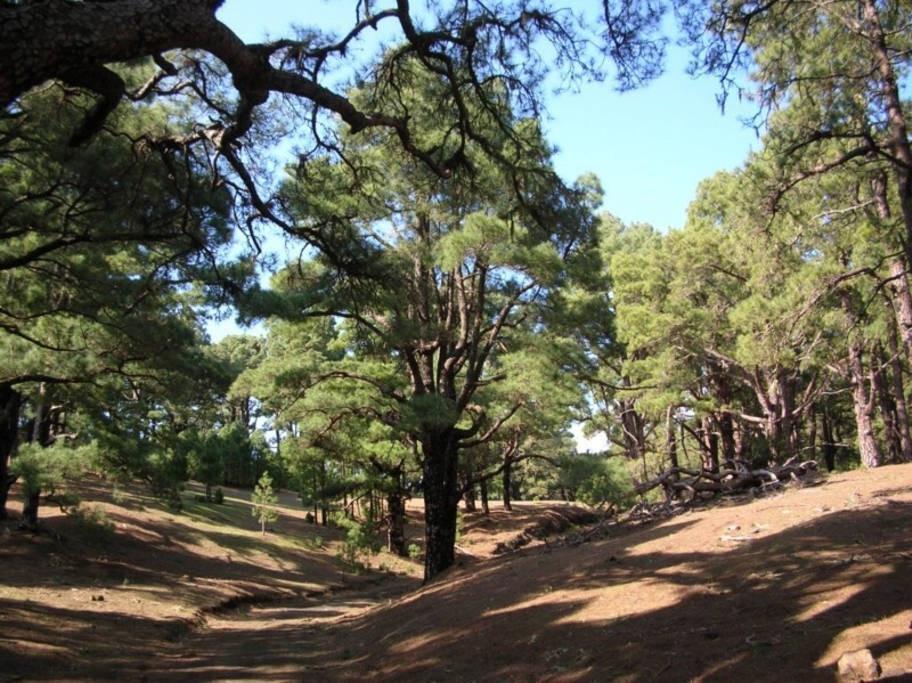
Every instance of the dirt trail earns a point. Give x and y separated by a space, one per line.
285 640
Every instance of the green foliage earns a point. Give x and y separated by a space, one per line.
92 523
414 552
49 468
596 479
360 541
263 499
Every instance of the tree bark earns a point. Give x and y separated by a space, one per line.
812 435
483 488
441 500
671 442
41 435
899 399
829 446
902 297
10 402
863 407
711 445
469 499
395 535
898 135
508 485
886 404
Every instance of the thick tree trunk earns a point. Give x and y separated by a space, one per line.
41 435
469 499
899 399
30 510
864 409
898 134
634 427
10 402
902 299
886 405
441 500
483 488
395 536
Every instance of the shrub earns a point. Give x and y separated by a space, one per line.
360 542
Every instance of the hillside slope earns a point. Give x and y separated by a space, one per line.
757 590
769 589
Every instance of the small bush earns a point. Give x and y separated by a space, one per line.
360 542
118 497
93 522
414 551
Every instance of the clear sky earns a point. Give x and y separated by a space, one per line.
650 147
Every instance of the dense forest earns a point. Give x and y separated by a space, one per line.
455 306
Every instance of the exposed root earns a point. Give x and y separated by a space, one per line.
555 521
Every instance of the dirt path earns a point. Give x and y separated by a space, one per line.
283 640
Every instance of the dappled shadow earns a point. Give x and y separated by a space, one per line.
703 596
785 604
46 638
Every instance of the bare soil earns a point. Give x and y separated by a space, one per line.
768 589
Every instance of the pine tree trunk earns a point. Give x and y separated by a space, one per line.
469 499
441 500
902 298
727 436
395 537
41 435
711 445
10 402
30 510
829 446
508 485
483 488
671 442
812 435
886 405
899 399
898 142
671 446
864 413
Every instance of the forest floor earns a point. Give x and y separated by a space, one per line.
772 588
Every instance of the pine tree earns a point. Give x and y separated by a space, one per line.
263 499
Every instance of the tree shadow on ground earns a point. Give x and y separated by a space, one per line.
783 605
773 607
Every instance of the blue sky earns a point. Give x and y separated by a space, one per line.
650 147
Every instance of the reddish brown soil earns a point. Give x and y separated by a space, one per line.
773 589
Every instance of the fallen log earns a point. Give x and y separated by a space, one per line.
735 478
